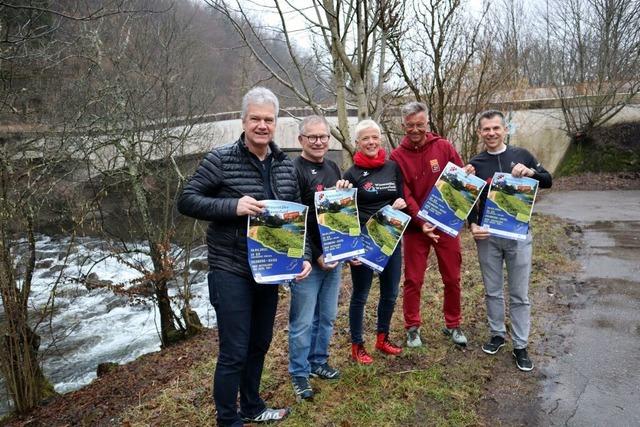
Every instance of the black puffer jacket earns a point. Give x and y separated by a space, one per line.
211 194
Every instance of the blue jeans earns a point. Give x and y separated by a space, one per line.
362 276
314 305
245 312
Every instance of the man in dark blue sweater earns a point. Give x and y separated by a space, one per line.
494 251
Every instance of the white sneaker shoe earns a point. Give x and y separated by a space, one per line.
457 336
413 337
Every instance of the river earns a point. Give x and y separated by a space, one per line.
92 326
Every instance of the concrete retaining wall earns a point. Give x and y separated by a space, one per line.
537 130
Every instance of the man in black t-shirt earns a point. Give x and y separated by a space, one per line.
314 301
493 250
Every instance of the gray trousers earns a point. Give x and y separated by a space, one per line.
516 254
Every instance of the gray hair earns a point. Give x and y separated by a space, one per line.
413 108
312 120
366 124
259 96
490 114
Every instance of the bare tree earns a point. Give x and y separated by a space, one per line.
147 98
347 64
26 180
23 186
594 51
447 59
35 162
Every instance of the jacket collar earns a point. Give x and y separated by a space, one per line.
410 146
275 150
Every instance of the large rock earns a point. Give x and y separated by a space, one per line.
199 264
105 368
92 281
45 263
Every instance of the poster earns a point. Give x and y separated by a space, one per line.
275 241
337 213
507 211
381 235
451 199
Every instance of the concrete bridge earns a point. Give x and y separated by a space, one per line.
535 125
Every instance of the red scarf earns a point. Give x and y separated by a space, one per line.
367 162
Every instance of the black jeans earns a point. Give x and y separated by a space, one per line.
361 277
245 313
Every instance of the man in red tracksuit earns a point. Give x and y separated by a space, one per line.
422 156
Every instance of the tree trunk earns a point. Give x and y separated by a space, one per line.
19 345
168 331
341 103
25 381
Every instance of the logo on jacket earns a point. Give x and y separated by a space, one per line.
365 173
314 172
368 186
435 166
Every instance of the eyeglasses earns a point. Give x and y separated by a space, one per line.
315 138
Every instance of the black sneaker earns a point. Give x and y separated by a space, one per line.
495 344
268 415
522 359
302 388
325 372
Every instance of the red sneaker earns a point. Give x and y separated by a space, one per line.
384 345
360 355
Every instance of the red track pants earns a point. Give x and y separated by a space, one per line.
416 252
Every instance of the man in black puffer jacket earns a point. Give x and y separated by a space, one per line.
228 185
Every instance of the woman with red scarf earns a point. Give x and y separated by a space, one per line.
379 183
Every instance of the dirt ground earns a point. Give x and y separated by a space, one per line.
593 181
510 395
100 402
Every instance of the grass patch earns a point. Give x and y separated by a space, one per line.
381 235
455 200
436 385
614 148
278 239
339 221
512 205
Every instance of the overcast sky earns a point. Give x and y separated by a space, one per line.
264 11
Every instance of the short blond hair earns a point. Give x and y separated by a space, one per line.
367 124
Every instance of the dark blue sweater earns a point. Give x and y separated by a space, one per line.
487 164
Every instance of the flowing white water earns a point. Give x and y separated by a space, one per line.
92 326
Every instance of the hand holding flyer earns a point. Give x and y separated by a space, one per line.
451 199
507 211
275 241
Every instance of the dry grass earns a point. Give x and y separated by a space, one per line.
439 384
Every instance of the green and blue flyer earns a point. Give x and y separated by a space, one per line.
337 213
451 199
381 235
507 211
275 241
